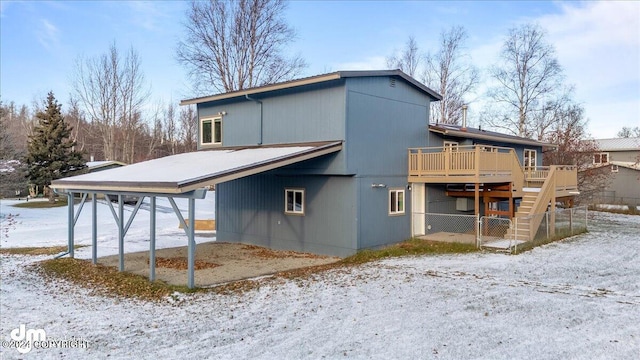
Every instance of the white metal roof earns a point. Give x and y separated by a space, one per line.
182 173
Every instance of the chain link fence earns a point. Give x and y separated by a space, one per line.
447 227
502 234
524 233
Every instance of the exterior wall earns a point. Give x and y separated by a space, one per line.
438 139
630 156
251 210
312 113
383 121
624 187
344 212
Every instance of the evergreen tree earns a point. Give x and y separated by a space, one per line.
51 153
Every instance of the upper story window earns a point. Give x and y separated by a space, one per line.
211 131
530 158
294 201
601 158
396 202
614 168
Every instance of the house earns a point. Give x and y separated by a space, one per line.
101 165
336 163
389 166
622 156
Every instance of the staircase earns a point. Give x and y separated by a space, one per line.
522 219
525 226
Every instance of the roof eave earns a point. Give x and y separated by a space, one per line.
464 134
314 80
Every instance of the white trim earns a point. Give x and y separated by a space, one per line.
398 203
293 210
600 158
535 158
213 120
614 168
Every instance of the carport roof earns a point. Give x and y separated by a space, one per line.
178 174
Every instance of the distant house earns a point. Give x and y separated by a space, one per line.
622 156
340 162
93 166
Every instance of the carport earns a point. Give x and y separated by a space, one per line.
178 176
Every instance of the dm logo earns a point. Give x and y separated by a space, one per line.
25 338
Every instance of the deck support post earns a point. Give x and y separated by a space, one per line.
476 192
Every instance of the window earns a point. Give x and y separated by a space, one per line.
530 159
211 131
614 168
396 202
294 201
450 145
601 158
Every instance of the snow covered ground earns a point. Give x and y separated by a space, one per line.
48 227
575 299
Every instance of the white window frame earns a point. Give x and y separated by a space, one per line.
213 130
394 206
614 168
292 210
530 164
599 156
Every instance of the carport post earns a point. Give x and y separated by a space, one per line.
192 245
121 231
94 229
152 240
72 223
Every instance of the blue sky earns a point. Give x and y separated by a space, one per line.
597 43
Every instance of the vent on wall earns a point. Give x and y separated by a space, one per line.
392 82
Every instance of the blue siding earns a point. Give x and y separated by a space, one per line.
377 122
251 210
382 123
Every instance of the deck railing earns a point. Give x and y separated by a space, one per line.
480 162
472 160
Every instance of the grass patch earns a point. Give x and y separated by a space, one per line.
559 236
107 280
52 250
410 247
42 204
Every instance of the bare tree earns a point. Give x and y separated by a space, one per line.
188 128
450 71
233 45
408 60
528 75
112 90
575 148
170 128
628 132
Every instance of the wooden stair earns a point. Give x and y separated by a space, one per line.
522 219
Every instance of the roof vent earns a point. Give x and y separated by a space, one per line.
392 82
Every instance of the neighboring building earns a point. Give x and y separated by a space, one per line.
622 156
93 166
340 162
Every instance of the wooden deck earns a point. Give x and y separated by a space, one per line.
482 164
